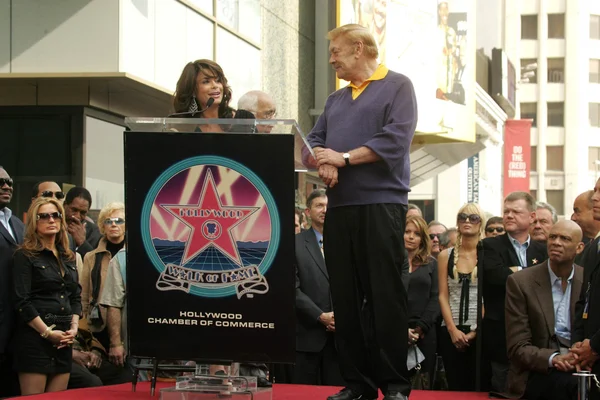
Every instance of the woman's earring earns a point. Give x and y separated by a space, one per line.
193 105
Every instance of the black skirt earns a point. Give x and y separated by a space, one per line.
34 354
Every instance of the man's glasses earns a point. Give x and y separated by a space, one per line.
6 181
49 193
434 235
116 221
473 218
492 229
47 216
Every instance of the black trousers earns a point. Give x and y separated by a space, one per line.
9 380
107 374
364 253
460 366
555 385
319 368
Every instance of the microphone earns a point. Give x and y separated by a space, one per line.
192 113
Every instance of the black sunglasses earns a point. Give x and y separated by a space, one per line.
49 193
116 221
473 218
492 229
6 181
46 216
433 236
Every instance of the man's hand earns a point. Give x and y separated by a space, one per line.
564 363
329 175
116 355
77 229
329 157
514 269
82 358
95 359
584 355
328 320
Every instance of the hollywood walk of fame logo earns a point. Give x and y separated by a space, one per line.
211 229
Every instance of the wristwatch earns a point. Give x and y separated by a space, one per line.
346 158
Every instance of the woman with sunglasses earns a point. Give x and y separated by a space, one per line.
111 222
494 227
457 273
423 305
47 299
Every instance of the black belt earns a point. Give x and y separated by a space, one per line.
57 319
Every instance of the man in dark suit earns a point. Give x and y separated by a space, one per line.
540 311
504 255
11 235
85 233
586 333
584 217
316 356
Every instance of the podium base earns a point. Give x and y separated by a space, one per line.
175 394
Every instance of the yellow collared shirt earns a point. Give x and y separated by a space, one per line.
379 74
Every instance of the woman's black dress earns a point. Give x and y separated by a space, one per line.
41 290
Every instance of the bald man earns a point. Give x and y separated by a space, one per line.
258 103
540 310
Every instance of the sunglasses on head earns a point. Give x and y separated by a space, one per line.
49 193
6 181
492 229
473 218
116 221
47 216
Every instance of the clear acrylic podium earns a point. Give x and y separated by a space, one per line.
303 154
199 384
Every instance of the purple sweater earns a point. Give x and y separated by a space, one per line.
383 118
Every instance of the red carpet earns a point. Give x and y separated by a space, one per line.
280 392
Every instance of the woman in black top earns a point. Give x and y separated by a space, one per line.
423 304
48 300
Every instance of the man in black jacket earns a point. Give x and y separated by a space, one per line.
586 332
316 356
11 235
85 233
503 256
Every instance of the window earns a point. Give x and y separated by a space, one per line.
529 111
243 16
595 27
557 199
556 26
529 27
595 115
524 70
533 159
593 156
594 70
556 114
556 70
555 158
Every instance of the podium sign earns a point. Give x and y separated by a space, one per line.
210 245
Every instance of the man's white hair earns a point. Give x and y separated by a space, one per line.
249 101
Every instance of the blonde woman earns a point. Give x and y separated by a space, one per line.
111 222
457 273
423 305
47 299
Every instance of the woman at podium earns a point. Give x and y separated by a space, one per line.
202 92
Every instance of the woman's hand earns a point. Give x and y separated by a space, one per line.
60 339
459 339
413 337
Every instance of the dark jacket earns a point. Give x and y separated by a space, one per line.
499 256
8 246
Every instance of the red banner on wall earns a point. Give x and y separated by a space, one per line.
517 155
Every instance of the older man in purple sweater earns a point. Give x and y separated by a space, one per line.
361 144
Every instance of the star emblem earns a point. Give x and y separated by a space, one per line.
534 261
210 222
